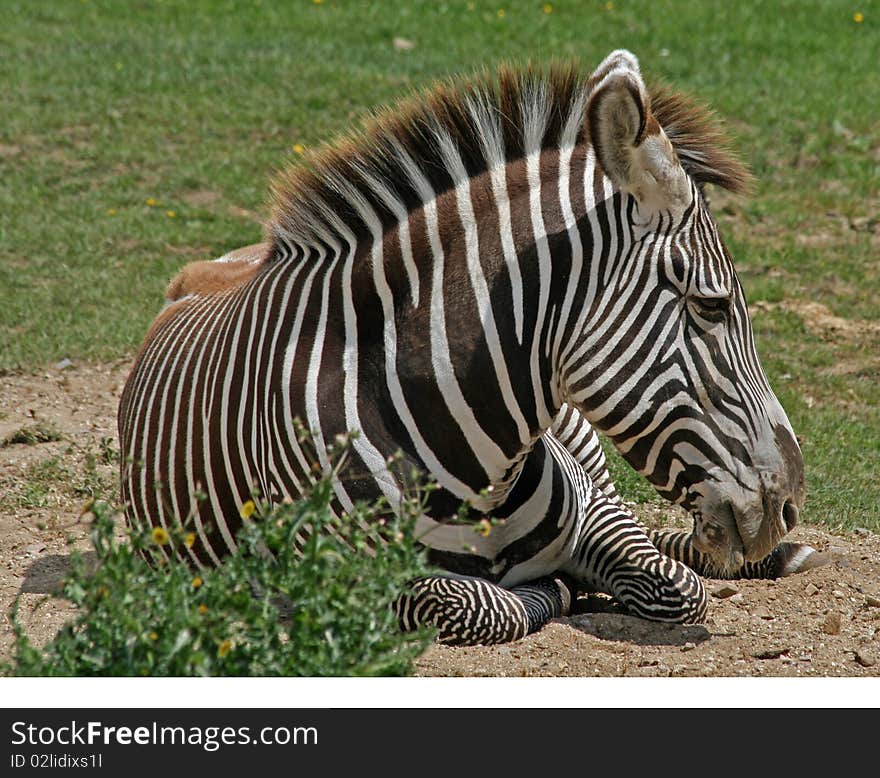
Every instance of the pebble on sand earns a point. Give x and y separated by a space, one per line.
724 590
831 624
866 657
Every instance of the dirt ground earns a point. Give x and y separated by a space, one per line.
825 622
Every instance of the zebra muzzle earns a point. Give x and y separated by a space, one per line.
720 543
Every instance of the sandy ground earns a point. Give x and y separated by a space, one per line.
825 622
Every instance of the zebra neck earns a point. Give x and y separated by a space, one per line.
447 326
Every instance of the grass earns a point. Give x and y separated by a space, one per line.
41 479
31 435
74 472
136 140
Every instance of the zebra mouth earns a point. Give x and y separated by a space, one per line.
719 537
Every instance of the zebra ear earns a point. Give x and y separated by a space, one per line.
629 144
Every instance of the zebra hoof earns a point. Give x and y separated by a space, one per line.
798 558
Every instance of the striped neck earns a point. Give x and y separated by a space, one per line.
470 304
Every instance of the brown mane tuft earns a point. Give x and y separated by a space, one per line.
702 146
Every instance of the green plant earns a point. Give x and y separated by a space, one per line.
307 594
42 478
92 481
41 432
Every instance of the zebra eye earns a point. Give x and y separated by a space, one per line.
713 306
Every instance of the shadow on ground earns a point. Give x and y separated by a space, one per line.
46 574
606 619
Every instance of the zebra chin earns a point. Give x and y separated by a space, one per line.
731 537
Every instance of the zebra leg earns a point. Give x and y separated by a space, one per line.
614 555
785 559
474 611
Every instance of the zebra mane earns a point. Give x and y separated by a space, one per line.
703 148
459 128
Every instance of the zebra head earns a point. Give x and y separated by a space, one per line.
671 374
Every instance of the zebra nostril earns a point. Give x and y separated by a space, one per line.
790 514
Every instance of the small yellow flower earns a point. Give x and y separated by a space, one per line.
609 6
151 201
471 6
153 636
858 17
197 582
317 2
203 609
111 212
189 539
160 536
299 148
548 9
247 510
501 13
224 648
170 214
483 528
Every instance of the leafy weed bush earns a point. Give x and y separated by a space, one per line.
324 609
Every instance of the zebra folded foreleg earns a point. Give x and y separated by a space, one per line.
474 611
785 559
614 555
658 588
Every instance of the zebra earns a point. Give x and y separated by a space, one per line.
480 279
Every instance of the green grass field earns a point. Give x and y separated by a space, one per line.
136 136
